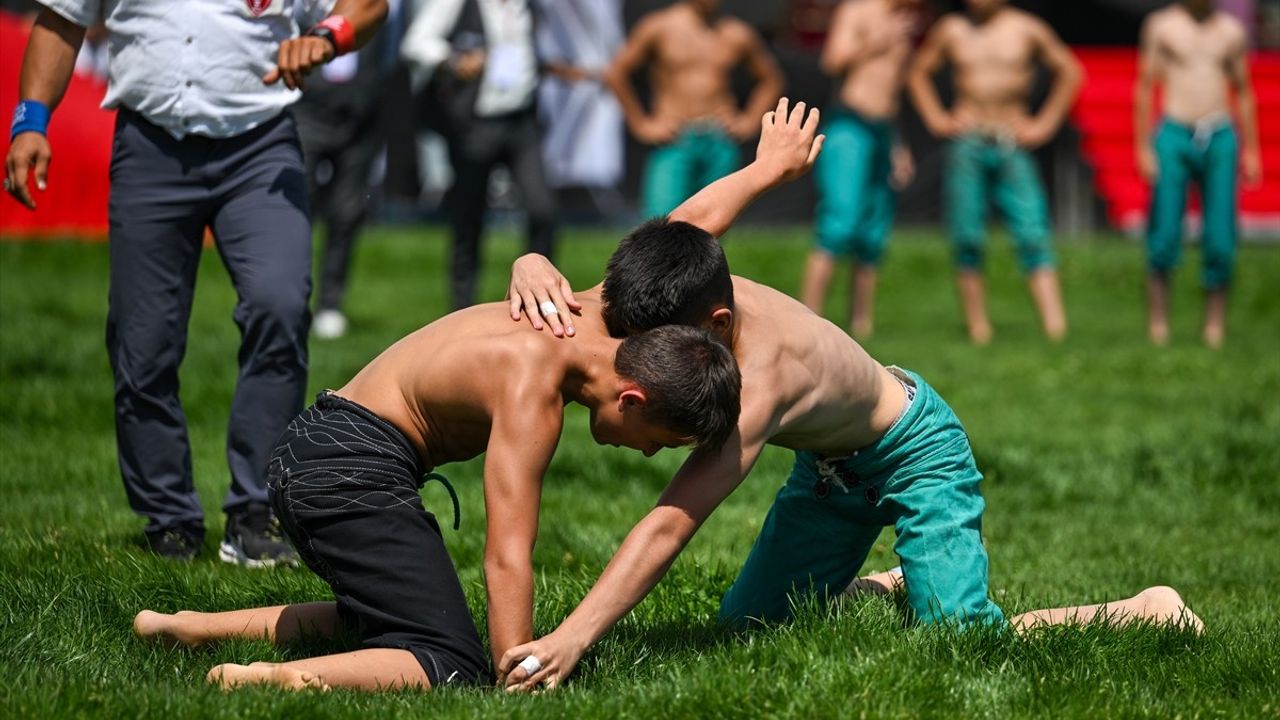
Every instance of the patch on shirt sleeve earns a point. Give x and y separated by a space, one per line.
263 8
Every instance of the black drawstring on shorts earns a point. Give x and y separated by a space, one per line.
457 514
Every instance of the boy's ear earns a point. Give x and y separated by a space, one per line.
721 320
632 397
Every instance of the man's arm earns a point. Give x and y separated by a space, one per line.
787 149
702 483
768 88
1148 71
1238 73
349 26
46 70
522 440
630 58
928 61
1067 78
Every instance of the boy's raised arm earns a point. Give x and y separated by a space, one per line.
789 145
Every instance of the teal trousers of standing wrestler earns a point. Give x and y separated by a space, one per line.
919 478
982 169
700 155
1208 159
855 202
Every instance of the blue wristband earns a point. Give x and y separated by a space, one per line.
29 116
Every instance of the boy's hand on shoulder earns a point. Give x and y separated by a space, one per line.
535 282
789 141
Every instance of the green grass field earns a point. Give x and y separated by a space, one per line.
1110 466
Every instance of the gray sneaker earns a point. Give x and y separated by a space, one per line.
254 539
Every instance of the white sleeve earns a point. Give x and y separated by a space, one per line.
313 11
84 13
426 42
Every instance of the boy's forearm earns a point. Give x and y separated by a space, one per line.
1063 93
510 591
1248 109
1142 114
718 205
618 80
644 557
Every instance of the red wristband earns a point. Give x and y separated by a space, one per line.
344 34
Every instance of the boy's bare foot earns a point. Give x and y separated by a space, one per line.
162 628
1164 606
229 676
1213 336
1158 333
980 333
884 583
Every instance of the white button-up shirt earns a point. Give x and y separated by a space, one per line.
196 66
511 64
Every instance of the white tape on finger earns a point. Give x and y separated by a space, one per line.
548 308
530 665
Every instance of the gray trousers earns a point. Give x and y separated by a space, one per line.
252 192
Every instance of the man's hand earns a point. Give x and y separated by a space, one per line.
1148 166
534 281
1250 167
468 65
557 657
29 150
788 146
656 130
296 58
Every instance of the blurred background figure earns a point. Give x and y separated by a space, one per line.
863 157
993 50
483 68
694 119
1196 54
341 125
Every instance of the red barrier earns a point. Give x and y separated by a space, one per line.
75 203
1104 117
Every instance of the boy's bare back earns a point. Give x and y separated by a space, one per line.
806 385
443 384
1193 60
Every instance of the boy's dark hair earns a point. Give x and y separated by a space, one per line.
689 378
664 272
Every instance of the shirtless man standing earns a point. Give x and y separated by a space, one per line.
862 159
1195 53
694 121
344 483
874 445
993 51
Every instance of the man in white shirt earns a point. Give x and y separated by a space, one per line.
202 140
484 70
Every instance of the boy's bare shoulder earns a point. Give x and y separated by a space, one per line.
950 27
736 30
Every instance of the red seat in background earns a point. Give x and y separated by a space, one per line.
75 204
1104 117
